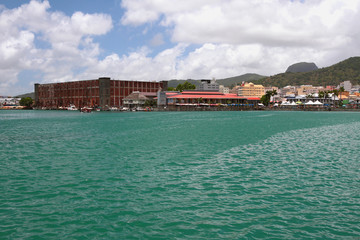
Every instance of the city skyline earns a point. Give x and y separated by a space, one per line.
57 41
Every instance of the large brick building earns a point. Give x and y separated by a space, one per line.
99 92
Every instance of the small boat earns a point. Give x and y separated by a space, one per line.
86 109
113 109
72 108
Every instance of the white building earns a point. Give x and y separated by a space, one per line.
209 85
9 101
346 85
224 89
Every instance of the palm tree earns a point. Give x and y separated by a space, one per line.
341 90
271 94
335 93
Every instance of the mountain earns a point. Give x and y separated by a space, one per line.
302 67
348 69
227 82
32 95
249 77
173 83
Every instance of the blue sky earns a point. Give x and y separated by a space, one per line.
55 41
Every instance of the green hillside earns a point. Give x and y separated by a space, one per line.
32 95
227 82
302 67
346 70
174 83
249 77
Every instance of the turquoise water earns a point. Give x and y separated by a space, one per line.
179 175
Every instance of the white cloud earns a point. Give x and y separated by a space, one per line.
69 38
274 23
157 40
281 29
138 65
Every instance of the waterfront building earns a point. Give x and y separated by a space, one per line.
224 89
330 88
9 101
251 90
235 89
309 90
135 99
209 85
208 98
329 100
288 91
102 92
346 85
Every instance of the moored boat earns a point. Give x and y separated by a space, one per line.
72 108
86 109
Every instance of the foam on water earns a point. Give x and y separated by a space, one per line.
309 178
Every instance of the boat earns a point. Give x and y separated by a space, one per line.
72 108
86 109
113 109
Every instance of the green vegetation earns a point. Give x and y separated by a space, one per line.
265 99
26 101
233 81
302 67
185 86
333 75
227 82
150 103
175 83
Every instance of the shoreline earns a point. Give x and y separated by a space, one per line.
219 109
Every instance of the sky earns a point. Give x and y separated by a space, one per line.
46 41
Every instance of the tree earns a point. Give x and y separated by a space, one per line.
185 86
265 99
341 90
272 93
150 103
336 92
326 94
309 96
26 102
171 89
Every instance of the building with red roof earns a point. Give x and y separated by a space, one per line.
208 98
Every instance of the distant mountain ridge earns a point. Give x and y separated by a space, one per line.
302 67
347 70
32 95
227 82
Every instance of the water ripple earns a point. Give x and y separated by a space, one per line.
200 175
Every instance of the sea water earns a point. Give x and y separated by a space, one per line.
179 175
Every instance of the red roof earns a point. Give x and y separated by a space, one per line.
205 96
202 93
208 95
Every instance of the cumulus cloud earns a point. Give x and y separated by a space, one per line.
157 40
324 29
139 65
69 38
242 22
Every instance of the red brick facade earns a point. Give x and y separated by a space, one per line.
100 92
